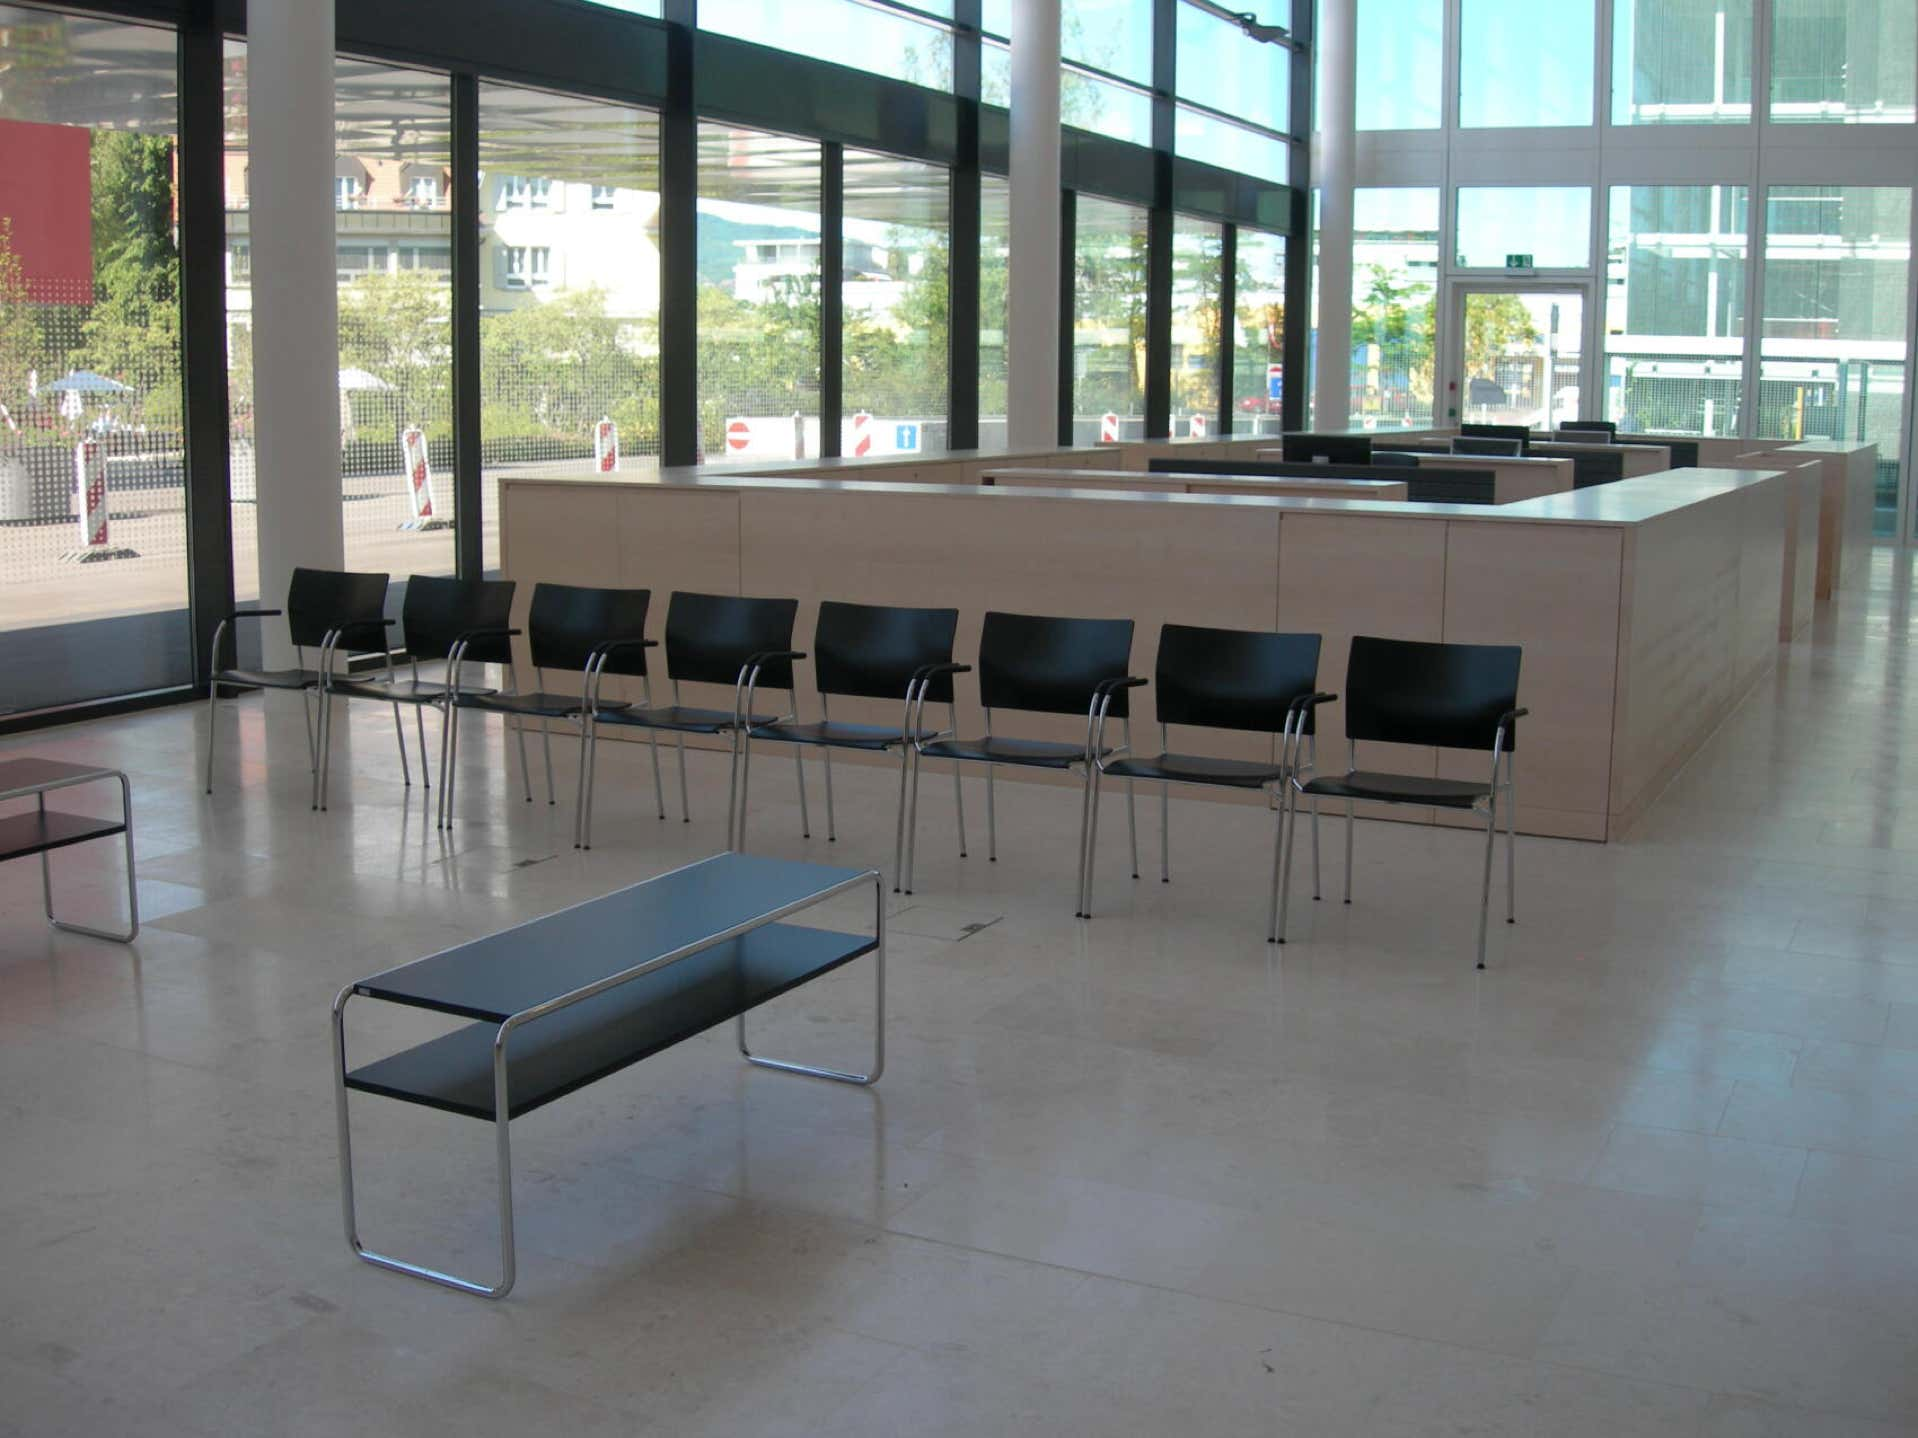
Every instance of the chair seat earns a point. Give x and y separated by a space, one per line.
540 705
269 678
1197 769
832 734
399 691
1399 789
1034 753
681 718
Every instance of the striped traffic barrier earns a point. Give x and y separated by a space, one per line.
606 447
90 488
419 481
1108 428
861 435
1198 426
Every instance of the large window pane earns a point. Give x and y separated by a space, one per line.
393 201
635 7
1675 308
844 32
1681 62
1832 348
1110 35
1395 255
758 294
1551 223
995 253
1207 138
1118 112
1108 319
1401 62
1523 63
1198 272
1851 61
569 284
1258 336
1220 66
898 238
89 363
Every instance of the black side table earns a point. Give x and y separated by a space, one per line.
41 830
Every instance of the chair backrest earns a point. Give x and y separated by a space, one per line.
1233 678
438 609
321 600
709 637
1394 459
1050 666
567 621
1518 432
1605 427
871 650
1448 696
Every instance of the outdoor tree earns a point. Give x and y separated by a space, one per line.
396 327
1109 295
19 331
132 331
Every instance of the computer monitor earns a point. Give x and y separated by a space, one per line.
1479 444
1499 431
1603 427
1327 449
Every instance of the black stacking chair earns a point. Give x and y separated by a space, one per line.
1445 696
448 621
592 631
710 639
1603 427
1218 679
1037 665
328 611
867 651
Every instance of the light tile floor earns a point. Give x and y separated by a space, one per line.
1655 1173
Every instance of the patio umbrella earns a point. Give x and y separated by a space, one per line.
85 381
355 380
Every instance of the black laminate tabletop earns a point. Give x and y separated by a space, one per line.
28 775
522 967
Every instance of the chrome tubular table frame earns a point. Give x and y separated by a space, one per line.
45 830
502 1068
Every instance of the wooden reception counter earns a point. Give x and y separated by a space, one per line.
1646 608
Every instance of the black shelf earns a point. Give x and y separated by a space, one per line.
37 832
550 1057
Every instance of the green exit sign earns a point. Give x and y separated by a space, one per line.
1518 262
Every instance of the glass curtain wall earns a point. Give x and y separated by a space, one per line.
1681 62
1844 61
569 288
1395 259
1198 274
393 245
1522 63
758 302
1547 227
1401 64
1108 321
1833 347
897 247
873 37
93 542
1240 91
995 253
1675 308
1258 335
1114 38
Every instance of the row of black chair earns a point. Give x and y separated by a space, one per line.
1442 695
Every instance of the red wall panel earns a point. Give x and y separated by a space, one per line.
46 190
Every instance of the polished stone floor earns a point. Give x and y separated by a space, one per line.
1656 1172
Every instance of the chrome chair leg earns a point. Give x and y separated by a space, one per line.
1351 822
1511 847
399 732
736 781
992 820
685 813
1485 889
546 739
1289 825
324 772
579 792
1132 826
799 777
312 739
1315 850
832 828
912 823
212 720
525 769
419 724
1091 844
1165 834
659 788
442 815
450 727
1278 851
899 825
958 791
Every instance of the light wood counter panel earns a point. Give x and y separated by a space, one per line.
1799 592
1512 479
1848 495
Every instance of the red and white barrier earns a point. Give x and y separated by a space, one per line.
861 445
419 481
90 489
606 447
1198 426
1108 428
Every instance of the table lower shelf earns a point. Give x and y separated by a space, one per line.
36 831
548 1058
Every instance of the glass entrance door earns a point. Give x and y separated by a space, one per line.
1519 354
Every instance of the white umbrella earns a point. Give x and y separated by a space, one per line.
354 380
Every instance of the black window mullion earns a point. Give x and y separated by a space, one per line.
962 246
1158 264
1228 324
1298 244
832 296
1068 308
680 430
469 536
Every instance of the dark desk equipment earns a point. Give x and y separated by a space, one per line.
1423 486
1479 444
1327 448
1499 431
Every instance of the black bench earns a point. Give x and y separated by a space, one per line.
567 999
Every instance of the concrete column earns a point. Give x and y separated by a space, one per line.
1032 300
1334 155
295 298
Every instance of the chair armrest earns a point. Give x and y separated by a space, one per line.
916 688
494 632
614 646
1113 686
256 614
1312 701
933 671
767 656
1508 721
